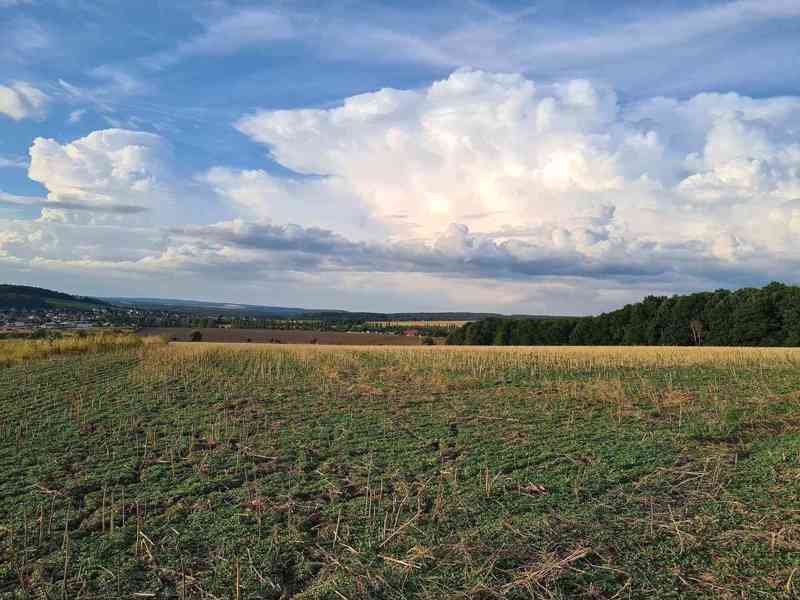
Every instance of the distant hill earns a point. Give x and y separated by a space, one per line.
199 306
254 310
28 297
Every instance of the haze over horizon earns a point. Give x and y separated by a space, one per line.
512 157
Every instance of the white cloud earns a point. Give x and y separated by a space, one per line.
240 29
230 33
76 115
56 239
657 31
320 202
487 148
499 152
106 169
114 83
12 163
24 40
20 100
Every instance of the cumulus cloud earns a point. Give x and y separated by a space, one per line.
488 148
32 243
110 170
20 100
503 154
312 201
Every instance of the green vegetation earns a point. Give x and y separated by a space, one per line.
147 313
27 297
769 316
151 320
190 471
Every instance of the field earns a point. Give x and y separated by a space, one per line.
184 334
419 324
254 471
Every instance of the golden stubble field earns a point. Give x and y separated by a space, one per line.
500 356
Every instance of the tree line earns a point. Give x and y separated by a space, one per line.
768 316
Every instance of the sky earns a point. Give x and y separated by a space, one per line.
535 157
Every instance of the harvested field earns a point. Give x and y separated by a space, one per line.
265 336
244 471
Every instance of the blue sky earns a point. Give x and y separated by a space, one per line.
513 156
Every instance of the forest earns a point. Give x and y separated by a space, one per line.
768 316
29 297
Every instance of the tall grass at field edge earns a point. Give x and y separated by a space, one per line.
15 351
